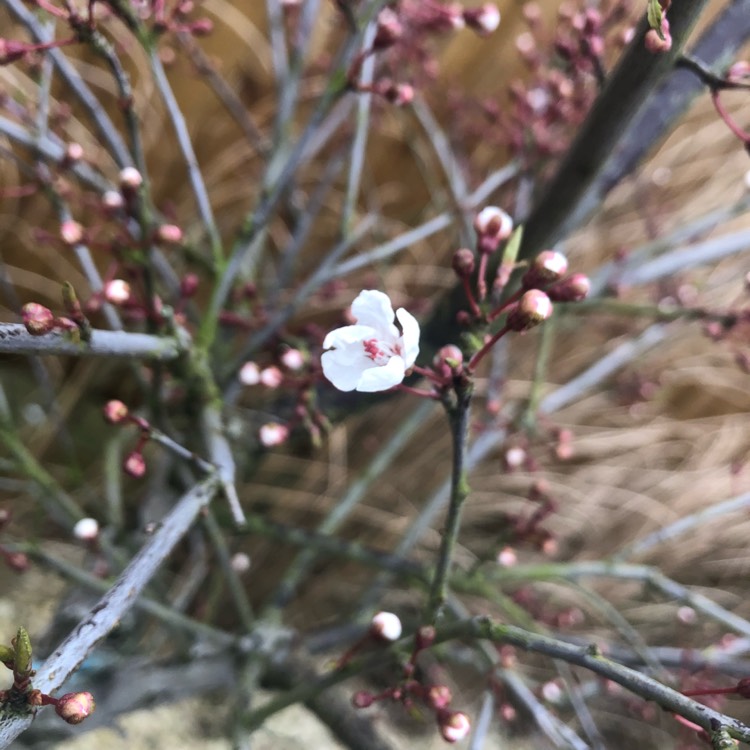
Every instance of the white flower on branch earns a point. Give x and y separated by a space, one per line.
372 355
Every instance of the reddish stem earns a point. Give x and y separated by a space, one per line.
730 123
477 358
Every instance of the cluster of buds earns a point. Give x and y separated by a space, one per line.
386 628
292 370
72 708
117 413
175 18
40 320
404 29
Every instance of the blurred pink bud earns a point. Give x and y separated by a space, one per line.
389 29
112 201
240 562
271 377
448 360
739 71
399 94
249 374
273 434
71 232
386 626
508 713
86 529
515 457
135 465
169 234
73 153
455 726
686 615
573 289
130 179
17 561
202 27
117 291
37 318
484 20
115 411
533 308
506 557
552 692
75 707
439 696
363 699
189 285
493 226
293 359
463 262
654 43
425 637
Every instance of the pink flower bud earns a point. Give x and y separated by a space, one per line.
130 179
169 234
455 726
547 267
506 557
249 374
439 696
71 232
399 94
73 153
552 692
75 707
86 529
654 43
117 291
389 29
135 465
240 562
425 637
739 71
463 262
573 289
271 377
115 412
493 226
484 20
112 201
386 626
202 27
17 561
273 434
37 318
515 457
293 359
532 309
363 699
448 360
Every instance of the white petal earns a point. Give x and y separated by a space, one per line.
410 336
373 308
382 378
342 369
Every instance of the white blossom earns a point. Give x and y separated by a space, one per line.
372 355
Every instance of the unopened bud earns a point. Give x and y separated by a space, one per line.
75 707
448 360
135 465
273 434
493 226
506 557
115 411
37 318
363 699
389 29
249 374
439 696
169 234
73 153
455 726
130 179
425 637
573 289
202 27
71 232
386 626
293 359
112 201
484 20
739 71
463 262
271 377
399 94
654 43
86 529
533 308
117 291
240 562
18 561
548 266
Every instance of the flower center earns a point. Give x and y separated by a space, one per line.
380 352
